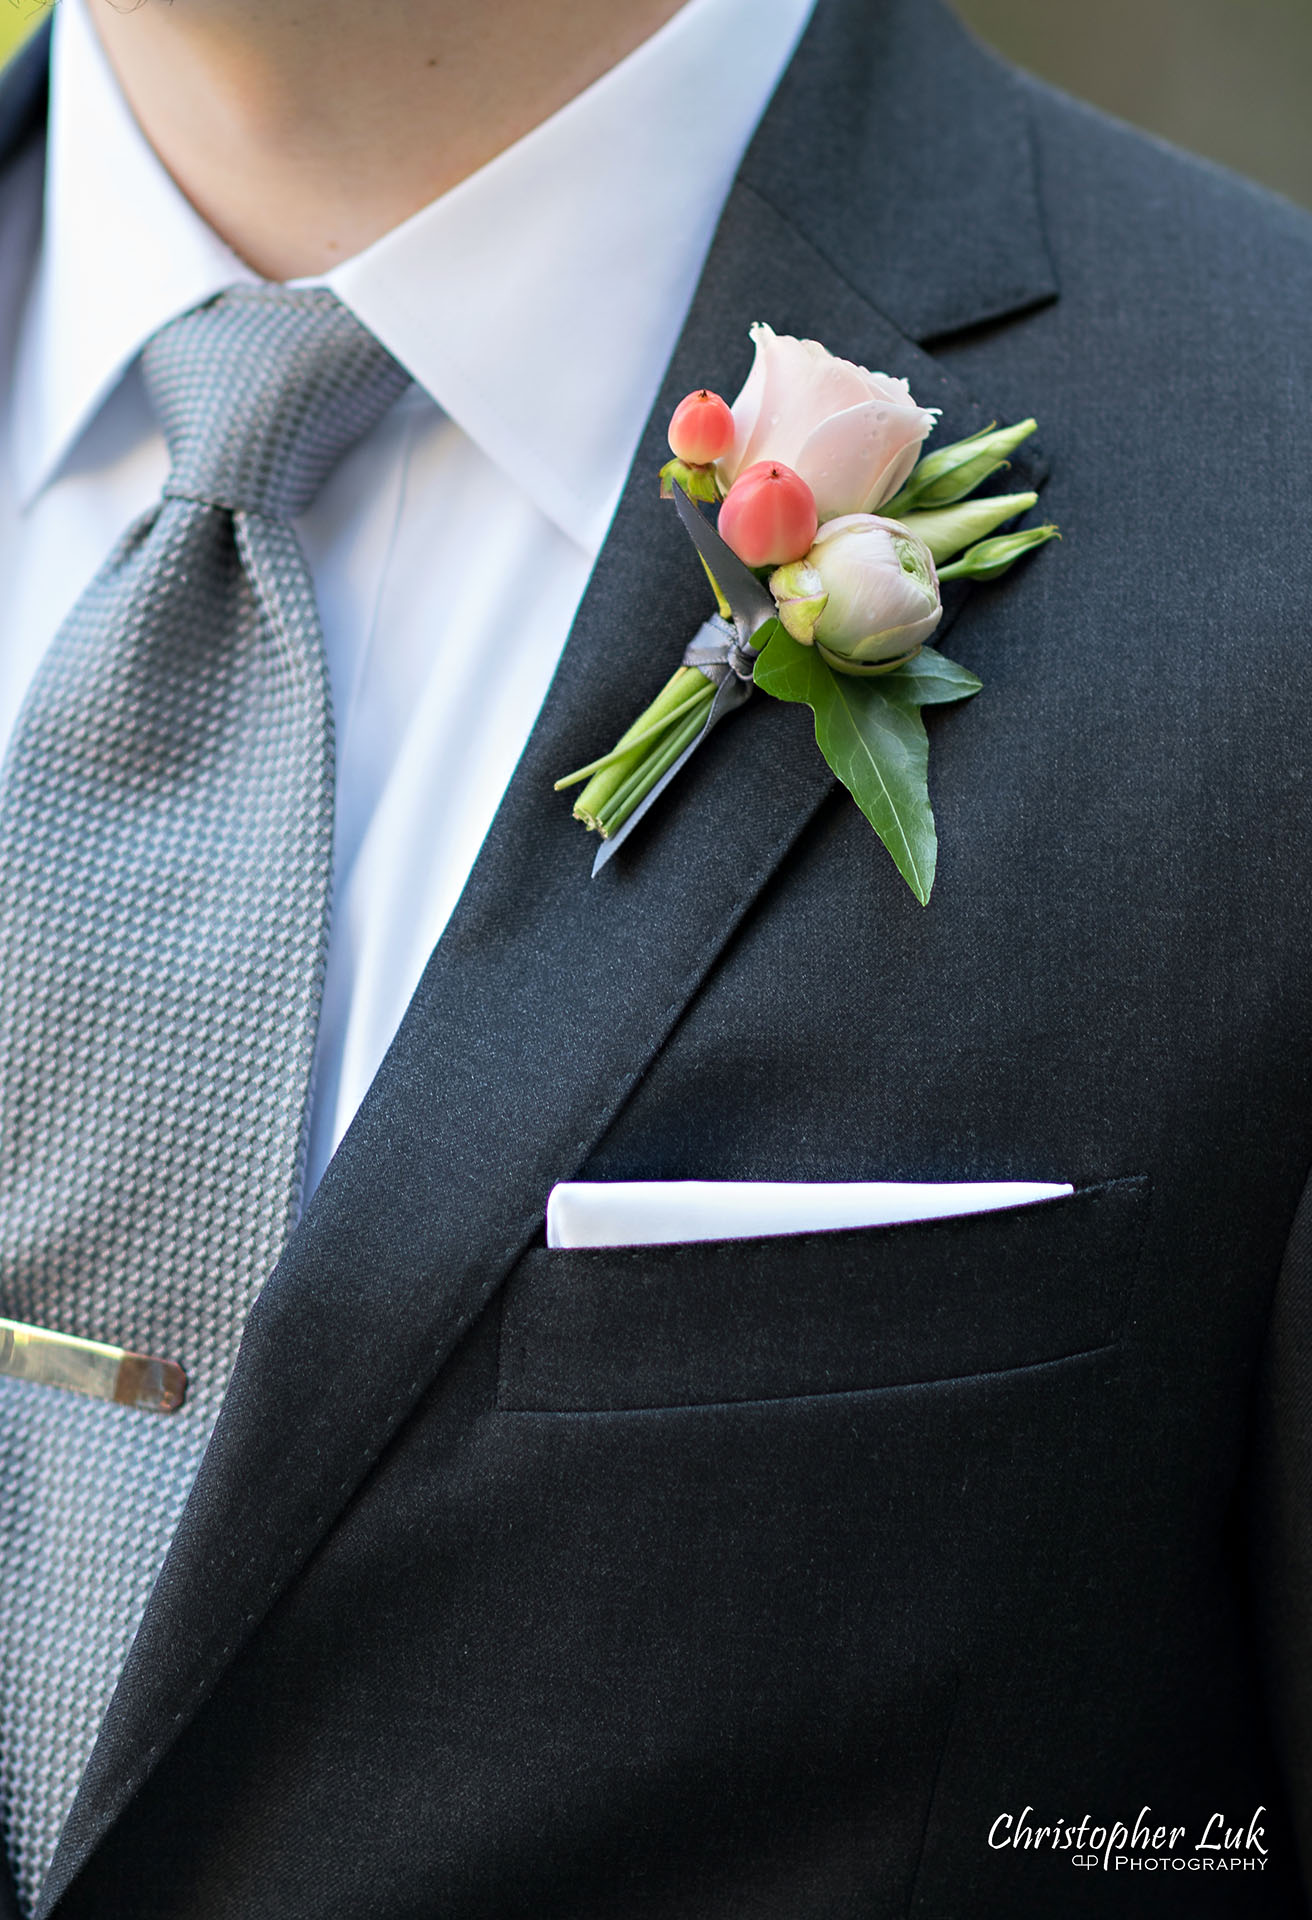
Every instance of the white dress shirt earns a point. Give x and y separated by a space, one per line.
535 306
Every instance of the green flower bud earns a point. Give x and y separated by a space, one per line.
992 557
800 596
947 530
953 472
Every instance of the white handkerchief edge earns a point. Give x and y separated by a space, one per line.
649 1213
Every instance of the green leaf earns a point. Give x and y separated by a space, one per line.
871 733
931 680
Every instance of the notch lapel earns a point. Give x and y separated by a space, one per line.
546 997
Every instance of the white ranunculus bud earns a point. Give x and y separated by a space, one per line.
881 592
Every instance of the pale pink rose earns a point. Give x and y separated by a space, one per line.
853 436
881 591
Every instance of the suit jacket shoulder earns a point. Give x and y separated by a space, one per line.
1181 238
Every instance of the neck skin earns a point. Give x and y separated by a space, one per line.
303 130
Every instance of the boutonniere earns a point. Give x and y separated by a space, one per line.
834 533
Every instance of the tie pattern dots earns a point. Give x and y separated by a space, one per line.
165 858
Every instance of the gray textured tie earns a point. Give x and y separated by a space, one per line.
165 851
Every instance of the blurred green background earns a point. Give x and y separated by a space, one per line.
17 17
1229 78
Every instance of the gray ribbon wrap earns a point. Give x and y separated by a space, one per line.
721 649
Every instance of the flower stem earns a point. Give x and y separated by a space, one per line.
657 761
632 749
631 740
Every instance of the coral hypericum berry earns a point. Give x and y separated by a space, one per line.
769 516
701 429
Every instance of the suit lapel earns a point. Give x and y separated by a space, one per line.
548 994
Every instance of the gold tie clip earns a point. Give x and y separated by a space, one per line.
85 1366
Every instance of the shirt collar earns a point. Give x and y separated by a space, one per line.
537 302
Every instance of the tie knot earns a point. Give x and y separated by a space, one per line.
261 391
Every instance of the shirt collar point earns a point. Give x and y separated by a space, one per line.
581 513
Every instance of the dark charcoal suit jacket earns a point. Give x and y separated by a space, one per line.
755 1581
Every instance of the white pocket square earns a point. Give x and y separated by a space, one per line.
653 1213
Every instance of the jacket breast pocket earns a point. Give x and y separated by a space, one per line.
701 1324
